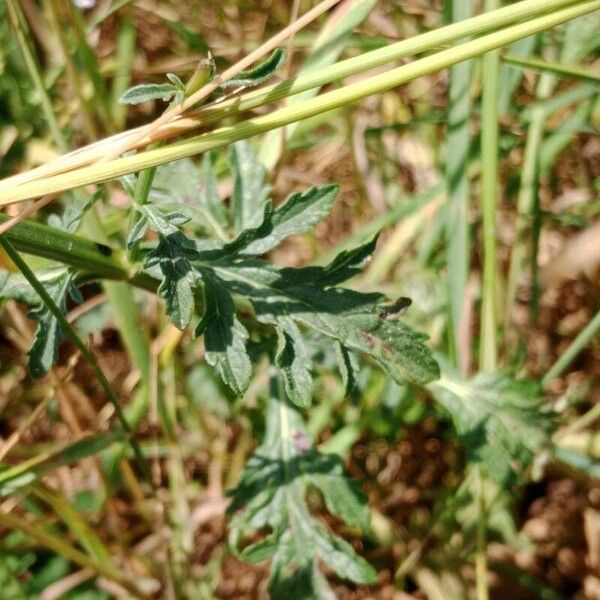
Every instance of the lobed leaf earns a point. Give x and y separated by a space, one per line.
300 212
499 420
272 494
44 349
249 188
224 336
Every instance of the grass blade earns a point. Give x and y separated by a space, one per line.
458 143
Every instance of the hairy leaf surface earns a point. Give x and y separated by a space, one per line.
499 420
272 494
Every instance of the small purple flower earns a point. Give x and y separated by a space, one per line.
301 441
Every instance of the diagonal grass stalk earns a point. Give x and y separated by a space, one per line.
567 357
279 118
481 24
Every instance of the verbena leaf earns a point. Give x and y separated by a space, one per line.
180 187
298 213
260 73
44 350
288 299
271 494
148 91
74 210
349 317
295 363
224 336
13 286
249 188
178 277
499 420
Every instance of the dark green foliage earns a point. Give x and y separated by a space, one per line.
224 336
271 495
289 299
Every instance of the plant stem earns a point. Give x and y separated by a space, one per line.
279 118
480 555
489 200
527 193
77 341
457 210
543 66
569 355
97 261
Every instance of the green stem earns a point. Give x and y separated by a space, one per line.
556 68
527 194
582 339
480 555
489 200
96 261
349 94
77 341
458 144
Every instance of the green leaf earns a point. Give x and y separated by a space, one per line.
260 73
348 367
44 350
249 188
180 187
272 494
295 363
178 277
499 420
13 286
168 261
289 299
74 210
300 212
352 318
204 73
224 336
148 91
60 284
